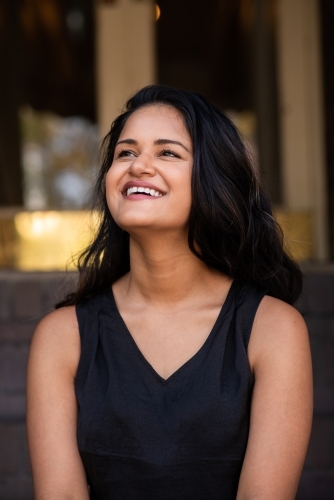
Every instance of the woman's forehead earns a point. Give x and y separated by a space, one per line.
156 118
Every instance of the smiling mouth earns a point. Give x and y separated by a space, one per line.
143 191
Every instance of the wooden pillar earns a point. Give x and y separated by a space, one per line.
10 157
301 116
265 86
125 54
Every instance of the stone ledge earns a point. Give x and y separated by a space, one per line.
324 401
41 276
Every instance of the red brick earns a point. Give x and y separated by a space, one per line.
316 486
5 296
25 464
319 289
13 364
27 299
19 488
329 361
17 332
301 303
317 350
320 453
12 406
9 448
318 325
56 290
50 295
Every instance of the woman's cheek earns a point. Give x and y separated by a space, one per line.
111 190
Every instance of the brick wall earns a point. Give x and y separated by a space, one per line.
26 297
317 305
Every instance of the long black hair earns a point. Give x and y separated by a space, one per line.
231 226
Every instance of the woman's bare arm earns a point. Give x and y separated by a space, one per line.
57 469
281 411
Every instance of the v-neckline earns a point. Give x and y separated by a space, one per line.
165 381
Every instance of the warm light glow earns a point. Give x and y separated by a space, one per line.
34 225
51 240
157 12
298 233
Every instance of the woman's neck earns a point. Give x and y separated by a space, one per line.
164 270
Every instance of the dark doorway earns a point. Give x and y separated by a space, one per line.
225 49
327 18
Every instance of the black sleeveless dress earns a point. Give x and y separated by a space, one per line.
145 438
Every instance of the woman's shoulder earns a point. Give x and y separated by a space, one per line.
279 330
278 315
62 321
56 337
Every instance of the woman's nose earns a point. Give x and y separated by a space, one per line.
141 164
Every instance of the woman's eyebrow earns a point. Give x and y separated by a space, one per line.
170 141
157 142
127 141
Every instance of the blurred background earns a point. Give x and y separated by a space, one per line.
67 67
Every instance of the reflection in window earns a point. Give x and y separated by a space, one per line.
59 157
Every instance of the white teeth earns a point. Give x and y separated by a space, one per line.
135 189
131 190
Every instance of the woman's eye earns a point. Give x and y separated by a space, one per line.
169 152
124 152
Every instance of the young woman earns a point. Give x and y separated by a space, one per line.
177 369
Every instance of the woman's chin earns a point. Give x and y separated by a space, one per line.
146 227
138 226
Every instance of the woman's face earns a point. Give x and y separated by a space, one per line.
149 182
